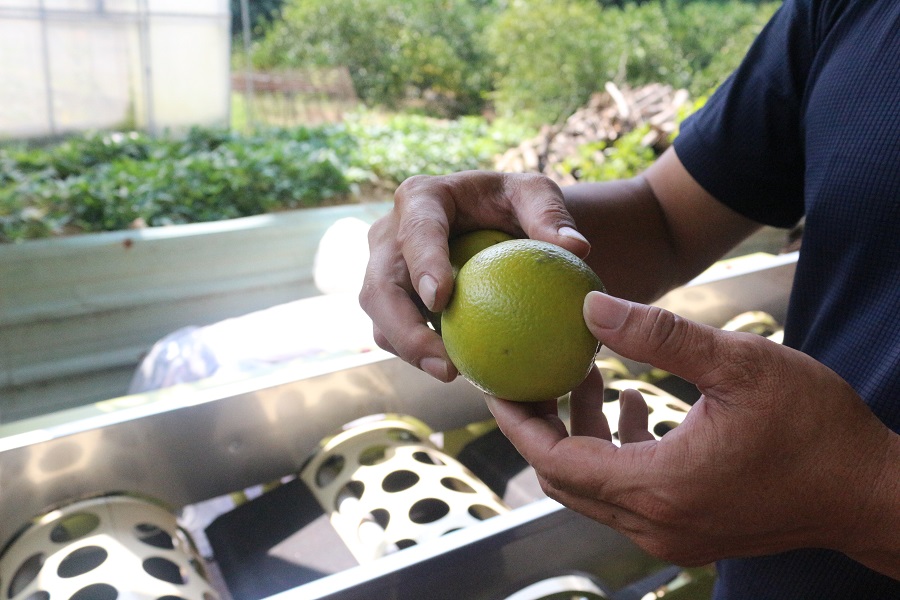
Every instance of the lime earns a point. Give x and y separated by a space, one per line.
514 326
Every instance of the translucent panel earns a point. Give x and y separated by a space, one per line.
23 104
120 6
81 68
195 7
191 83
4 4
94 67
80 5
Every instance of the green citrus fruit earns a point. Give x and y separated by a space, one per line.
514 326
467 245
462 248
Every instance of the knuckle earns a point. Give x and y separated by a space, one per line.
408 185
368 295
666 331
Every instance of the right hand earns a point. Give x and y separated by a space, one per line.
409 255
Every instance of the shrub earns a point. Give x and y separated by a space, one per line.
549 57
393 49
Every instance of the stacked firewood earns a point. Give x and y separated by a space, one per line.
608 115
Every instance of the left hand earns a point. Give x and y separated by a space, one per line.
778 453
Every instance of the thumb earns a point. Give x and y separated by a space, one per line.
649 334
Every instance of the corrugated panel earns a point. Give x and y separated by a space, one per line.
77 314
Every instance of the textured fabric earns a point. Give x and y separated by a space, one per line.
809 126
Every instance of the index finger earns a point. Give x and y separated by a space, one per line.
423 234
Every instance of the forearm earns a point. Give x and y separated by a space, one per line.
653 232
631 247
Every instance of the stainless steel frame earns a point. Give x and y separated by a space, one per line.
194 442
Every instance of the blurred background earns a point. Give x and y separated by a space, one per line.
134 113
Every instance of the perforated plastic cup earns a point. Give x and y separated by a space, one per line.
386 487
105 548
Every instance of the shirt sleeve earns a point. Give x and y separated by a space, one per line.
745 145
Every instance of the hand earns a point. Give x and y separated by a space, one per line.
408 257
778 453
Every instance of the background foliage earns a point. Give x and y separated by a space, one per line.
535 59
395 51
112 181
497 70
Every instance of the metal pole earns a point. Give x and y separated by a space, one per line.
248 71
146 62
45 48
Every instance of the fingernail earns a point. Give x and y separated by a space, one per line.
572 233
605 311
428 290
435 367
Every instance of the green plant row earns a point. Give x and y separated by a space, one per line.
113 181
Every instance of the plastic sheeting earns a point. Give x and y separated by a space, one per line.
312 329
69 65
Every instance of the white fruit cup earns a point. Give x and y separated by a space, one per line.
104 548
387 486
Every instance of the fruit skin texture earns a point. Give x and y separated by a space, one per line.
462 248
467 245
514 326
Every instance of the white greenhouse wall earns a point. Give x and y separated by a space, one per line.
73 65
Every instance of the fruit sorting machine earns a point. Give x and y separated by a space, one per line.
358 477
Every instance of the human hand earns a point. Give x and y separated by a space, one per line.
409 256
778 453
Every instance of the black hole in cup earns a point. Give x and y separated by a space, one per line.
74 527
649 410
373 455
426 458
329 470
96 591
381 516
25 574
401 544
399 481
171 597
615 435
675 407
41 595
610 395
428 510
353 489
451 530
81 561
482 512
664 427
457 485
154 536
164 570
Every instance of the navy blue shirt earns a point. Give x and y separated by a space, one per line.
809 126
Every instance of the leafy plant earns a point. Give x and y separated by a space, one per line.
601 161
112 181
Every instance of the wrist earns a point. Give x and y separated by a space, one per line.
875 539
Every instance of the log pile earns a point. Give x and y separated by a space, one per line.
606 117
